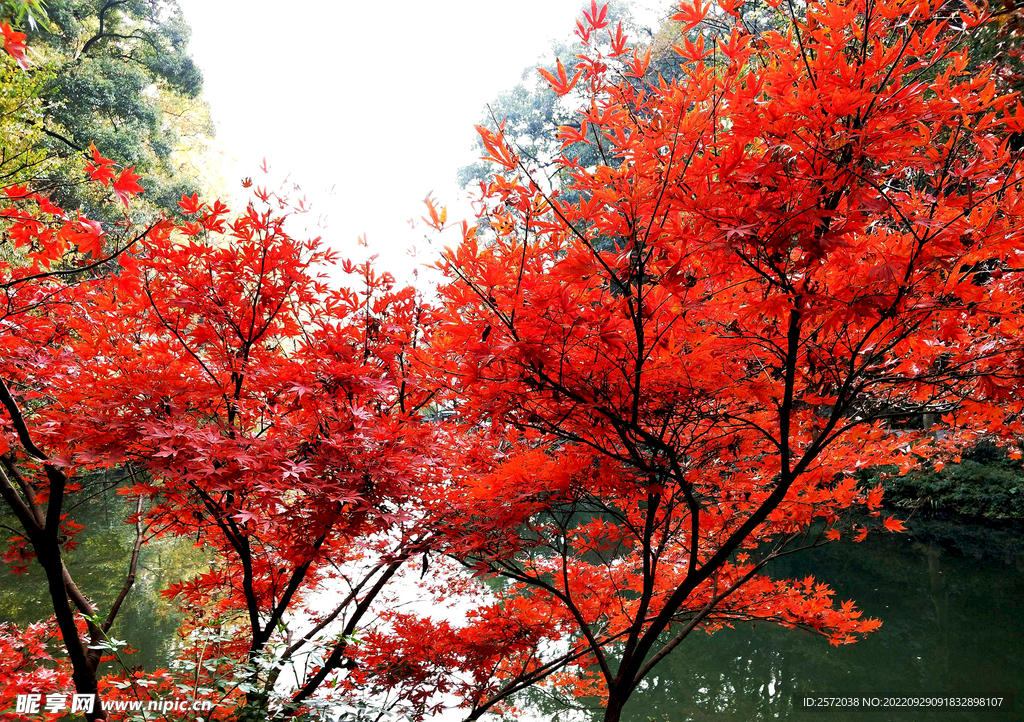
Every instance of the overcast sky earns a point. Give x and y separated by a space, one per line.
375 98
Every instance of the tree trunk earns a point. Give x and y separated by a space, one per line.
83 670
616 701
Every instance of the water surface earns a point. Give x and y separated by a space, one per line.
951 597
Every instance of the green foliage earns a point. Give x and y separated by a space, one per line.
27 13
532 115
21 153
986 483
532 112
104 71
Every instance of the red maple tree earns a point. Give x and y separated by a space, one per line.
271 418
278 423
674 366
250 406
48 277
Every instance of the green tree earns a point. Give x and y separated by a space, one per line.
104 71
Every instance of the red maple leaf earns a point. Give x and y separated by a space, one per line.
893 524
190 204
560 84
14 44
126 186
100 169
86 234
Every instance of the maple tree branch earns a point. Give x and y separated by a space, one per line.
56 477
75 594
60 587
33 525
18 422
531 678
83 269
181 340
800 43
294 582
787 476
252 604
698 618
506 569
649 570
241 546
26 488
352 595
45 541
337 655
133 563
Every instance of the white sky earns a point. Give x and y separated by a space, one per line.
376 98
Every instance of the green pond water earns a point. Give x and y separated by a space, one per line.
951 597
99 564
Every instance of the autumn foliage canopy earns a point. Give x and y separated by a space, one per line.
676 364
797 258
254 410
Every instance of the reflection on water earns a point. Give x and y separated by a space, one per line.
99 565
950 597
